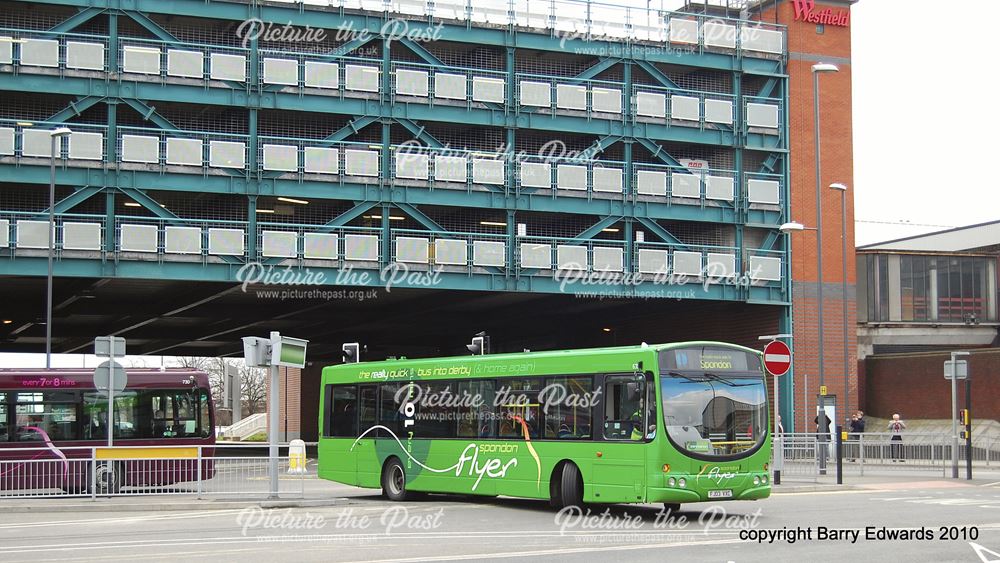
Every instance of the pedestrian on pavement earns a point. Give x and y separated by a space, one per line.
822 423
858 423
856 427
896 427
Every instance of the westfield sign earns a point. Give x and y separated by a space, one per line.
805 10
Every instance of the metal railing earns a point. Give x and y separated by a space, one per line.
219 470
799 454
136 237
207 152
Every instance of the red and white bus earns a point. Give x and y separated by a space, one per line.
54 430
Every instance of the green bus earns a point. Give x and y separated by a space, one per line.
670 423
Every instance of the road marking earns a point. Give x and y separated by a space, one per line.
921 485
172 556
946 501
848 492
982 552
990 484
263 540
538 553
122 520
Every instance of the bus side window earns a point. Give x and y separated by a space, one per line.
389 414
476 413
520 410
344 411
569 405
327 402
4 431
367 408
623 407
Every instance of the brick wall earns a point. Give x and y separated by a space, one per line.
289 404
914 386
807 46
806 331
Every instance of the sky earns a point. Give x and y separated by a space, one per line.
922 153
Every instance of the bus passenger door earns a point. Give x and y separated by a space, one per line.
366 459
337 458
619 471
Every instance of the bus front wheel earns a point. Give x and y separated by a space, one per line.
394 481
570 486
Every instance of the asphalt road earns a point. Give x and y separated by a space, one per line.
358 525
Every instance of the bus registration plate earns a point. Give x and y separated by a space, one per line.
722 493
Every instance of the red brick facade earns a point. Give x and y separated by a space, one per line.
809 44
289 404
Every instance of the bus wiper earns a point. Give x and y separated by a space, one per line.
682 376
701 377
723 380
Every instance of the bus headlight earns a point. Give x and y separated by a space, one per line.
671 481
682 482
763 479
756 480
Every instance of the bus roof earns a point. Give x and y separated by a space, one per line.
83 378
548 355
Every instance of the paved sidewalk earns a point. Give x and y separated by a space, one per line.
884 479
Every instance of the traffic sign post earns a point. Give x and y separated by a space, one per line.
777 358
955 370
777 361
958 369
111 374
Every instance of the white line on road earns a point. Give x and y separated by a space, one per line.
849 492
538 553
121 520
128 519
525 534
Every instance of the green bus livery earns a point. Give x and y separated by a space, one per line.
670 423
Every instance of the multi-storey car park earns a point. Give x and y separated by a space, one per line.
499 145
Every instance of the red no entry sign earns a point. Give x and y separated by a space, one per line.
777 357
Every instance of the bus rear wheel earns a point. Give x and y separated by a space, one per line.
394 481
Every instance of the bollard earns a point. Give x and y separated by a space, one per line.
297 457
840 455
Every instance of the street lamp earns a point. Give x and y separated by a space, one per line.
56 136
843 241
817 69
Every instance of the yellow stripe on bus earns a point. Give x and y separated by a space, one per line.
147 453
